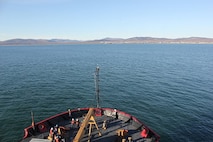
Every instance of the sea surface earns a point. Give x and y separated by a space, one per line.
169 87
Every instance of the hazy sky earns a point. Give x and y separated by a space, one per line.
96 19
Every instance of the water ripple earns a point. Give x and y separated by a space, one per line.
169 87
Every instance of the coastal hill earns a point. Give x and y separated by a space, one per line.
140 40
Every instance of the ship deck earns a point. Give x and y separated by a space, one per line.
112 133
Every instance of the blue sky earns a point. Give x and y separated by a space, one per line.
96 19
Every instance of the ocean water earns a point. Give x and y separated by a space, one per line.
168 87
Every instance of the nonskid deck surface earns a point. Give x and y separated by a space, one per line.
107 135
110 134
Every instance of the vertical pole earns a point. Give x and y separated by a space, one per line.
33 122
97 86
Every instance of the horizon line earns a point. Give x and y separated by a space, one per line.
103 38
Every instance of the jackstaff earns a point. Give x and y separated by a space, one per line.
97 90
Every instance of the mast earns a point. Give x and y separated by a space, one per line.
97 86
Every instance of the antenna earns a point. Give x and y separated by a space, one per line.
97 86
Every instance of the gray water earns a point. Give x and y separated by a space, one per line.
168 87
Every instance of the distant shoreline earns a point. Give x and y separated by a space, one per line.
133 40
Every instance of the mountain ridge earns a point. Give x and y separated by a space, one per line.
108 40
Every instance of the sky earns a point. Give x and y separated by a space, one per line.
97 19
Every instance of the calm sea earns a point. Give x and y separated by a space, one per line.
168 87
